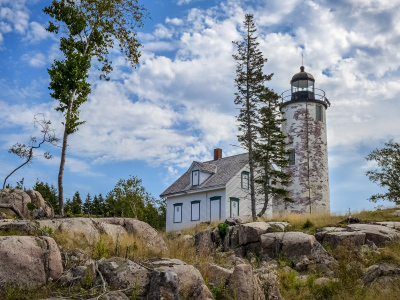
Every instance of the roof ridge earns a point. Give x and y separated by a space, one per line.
225 157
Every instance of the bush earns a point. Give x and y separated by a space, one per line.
31 206
308 224
222 229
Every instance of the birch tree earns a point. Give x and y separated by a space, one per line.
88 29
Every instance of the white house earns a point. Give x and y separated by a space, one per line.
210 191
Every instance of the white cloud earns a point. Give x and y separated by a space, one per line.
36 60
37 33
174 21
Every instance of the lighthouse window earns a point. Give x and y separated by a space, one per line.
319 113
292 157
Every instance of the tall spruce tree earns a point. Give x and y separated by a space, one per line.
270 150
87 205
75 205
89 29
249 82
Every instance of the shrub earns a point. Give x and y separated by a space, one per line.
48 230
308 224
222 229
31 206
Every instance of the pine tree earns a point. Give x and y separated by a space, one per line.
48 192
249 82
269 151
76 204
95 209
103 206
87 206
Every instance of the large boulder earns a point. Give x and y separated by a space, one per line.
334 239
244 285
204 241
29 261
122 274
76 228
16 197
375 233
250 232
139 229
376 272
21 227
290 244
217 275
189 277
44 210
268 278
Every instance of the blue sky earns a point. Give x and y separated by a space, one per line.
177 105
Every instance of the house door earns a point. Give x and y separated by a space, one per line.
215 208
234 207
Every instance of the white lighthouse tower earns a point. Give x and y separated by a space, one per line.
304 108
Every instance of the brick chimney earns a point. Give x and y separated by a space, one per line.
217 153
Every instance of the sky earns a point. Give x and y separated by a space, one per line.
177 105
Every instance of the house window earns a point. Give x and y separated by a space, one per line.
195 211
178 213
195 177
245 180
319 113
292 157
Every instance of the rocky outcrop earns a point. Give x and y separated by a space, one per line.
29 261
375 233
244 285
21 227
16 197
43 211
289 244
91 229
381 274
336 238
122 274
76 228
189 277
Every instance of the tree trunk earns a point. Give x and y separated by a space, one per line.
249 136
63 154
266 194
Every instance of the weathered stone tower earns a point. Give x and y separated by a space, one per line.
304 108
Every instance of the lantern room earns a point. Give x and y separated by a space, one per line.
302 85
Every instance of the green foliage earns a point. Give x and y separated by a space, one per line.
249 83
31 206
75 206
308 224
89 29
270 150
14 292
388 174
285 261
130 199
87 206
219 292
87 282
222 229
100 250
48 192
48 230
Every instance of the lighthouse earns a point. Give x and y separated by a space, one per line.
304 108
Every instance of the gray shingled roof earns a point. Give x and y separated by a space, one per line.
224 169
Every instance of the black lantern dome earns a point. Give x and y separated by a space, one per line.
302 75
302 89
302 85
